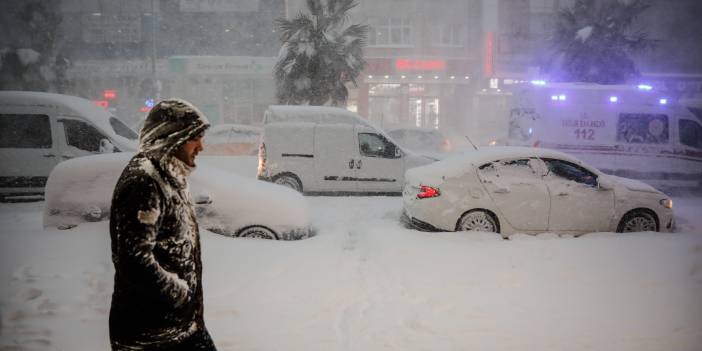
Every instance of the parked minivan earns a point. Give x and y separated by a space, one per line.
333 151
625 130
39 130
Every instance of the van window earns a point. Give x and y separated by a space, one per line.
82 135
374 145
642 128
690 133
122 130
697 112
25 131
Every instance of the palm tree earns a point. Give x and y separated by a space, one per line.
594 40
319 55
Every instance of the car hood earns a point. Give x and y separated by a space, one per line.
633 184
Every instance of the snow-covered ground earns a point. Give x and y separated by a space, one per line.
366 283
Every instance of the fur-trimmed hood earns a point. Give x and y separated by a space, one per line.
169 125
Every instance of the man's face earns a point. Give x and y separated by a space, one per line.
188 151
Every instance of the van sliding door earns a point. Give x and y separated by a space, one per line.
28 150
336 154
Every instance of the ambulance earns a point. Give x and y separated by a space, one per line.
629 131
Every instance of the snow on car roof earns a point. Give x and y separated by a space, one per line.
461 163
225 127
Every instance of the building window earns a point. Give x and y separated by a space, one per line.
448 35
542 6
391 32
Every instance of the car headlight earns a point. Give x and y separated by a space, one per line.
667 203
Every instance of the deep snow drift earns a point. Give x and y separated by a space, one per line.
366 283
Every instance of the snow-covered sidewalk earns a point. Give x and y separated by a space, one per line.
366 283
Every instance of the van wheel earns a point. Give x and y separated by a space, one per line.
638 221
478 220
289 180
257 232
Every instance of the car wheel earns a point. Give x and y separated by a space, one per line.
638 221
289 181
478 220
257 232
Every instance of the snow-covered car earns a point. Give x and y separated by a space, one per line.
232 140
80 190
420 140
529 190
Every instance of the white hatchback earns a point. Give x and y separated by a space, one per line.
80 190
529 190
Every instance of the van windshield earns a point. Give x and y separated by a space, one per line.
122 130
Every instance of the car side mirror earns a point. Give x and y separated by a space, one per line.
106 146
398 152
604 184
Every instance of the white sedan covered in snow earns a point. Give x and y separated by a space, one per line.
80 190
529 190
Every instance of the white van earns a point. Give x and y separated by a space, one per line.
630 131
328 150
39 130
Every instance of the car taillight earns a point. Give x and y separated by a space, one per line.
427 192
261 161
447 145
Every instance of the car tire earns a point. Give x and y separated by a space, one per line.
638 221
289 180
478 220
257 232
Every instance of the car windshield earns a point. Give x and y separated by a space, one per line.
122 130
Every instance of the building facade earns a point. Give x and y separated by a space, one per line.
217 54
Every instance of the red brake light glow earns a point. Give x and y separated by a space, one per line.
427 192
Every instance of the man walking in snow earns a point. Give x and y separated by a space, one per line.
157 300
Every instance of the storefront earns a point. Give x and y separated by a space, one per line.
415 92
234 89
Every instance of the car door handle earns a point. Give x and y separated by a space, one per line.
562 194
67 157
351 164
501 191
359 164
49 155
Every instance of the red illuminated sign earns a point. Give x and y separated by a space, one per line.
489 55
109 94
144 109
420 65
102 103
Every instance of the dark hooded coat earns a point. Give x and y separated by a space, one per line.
157 302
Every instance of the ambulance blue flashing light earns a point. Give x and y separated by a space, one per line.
645 87
538 82
561 97
554 97
663 101
613 99
150 103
